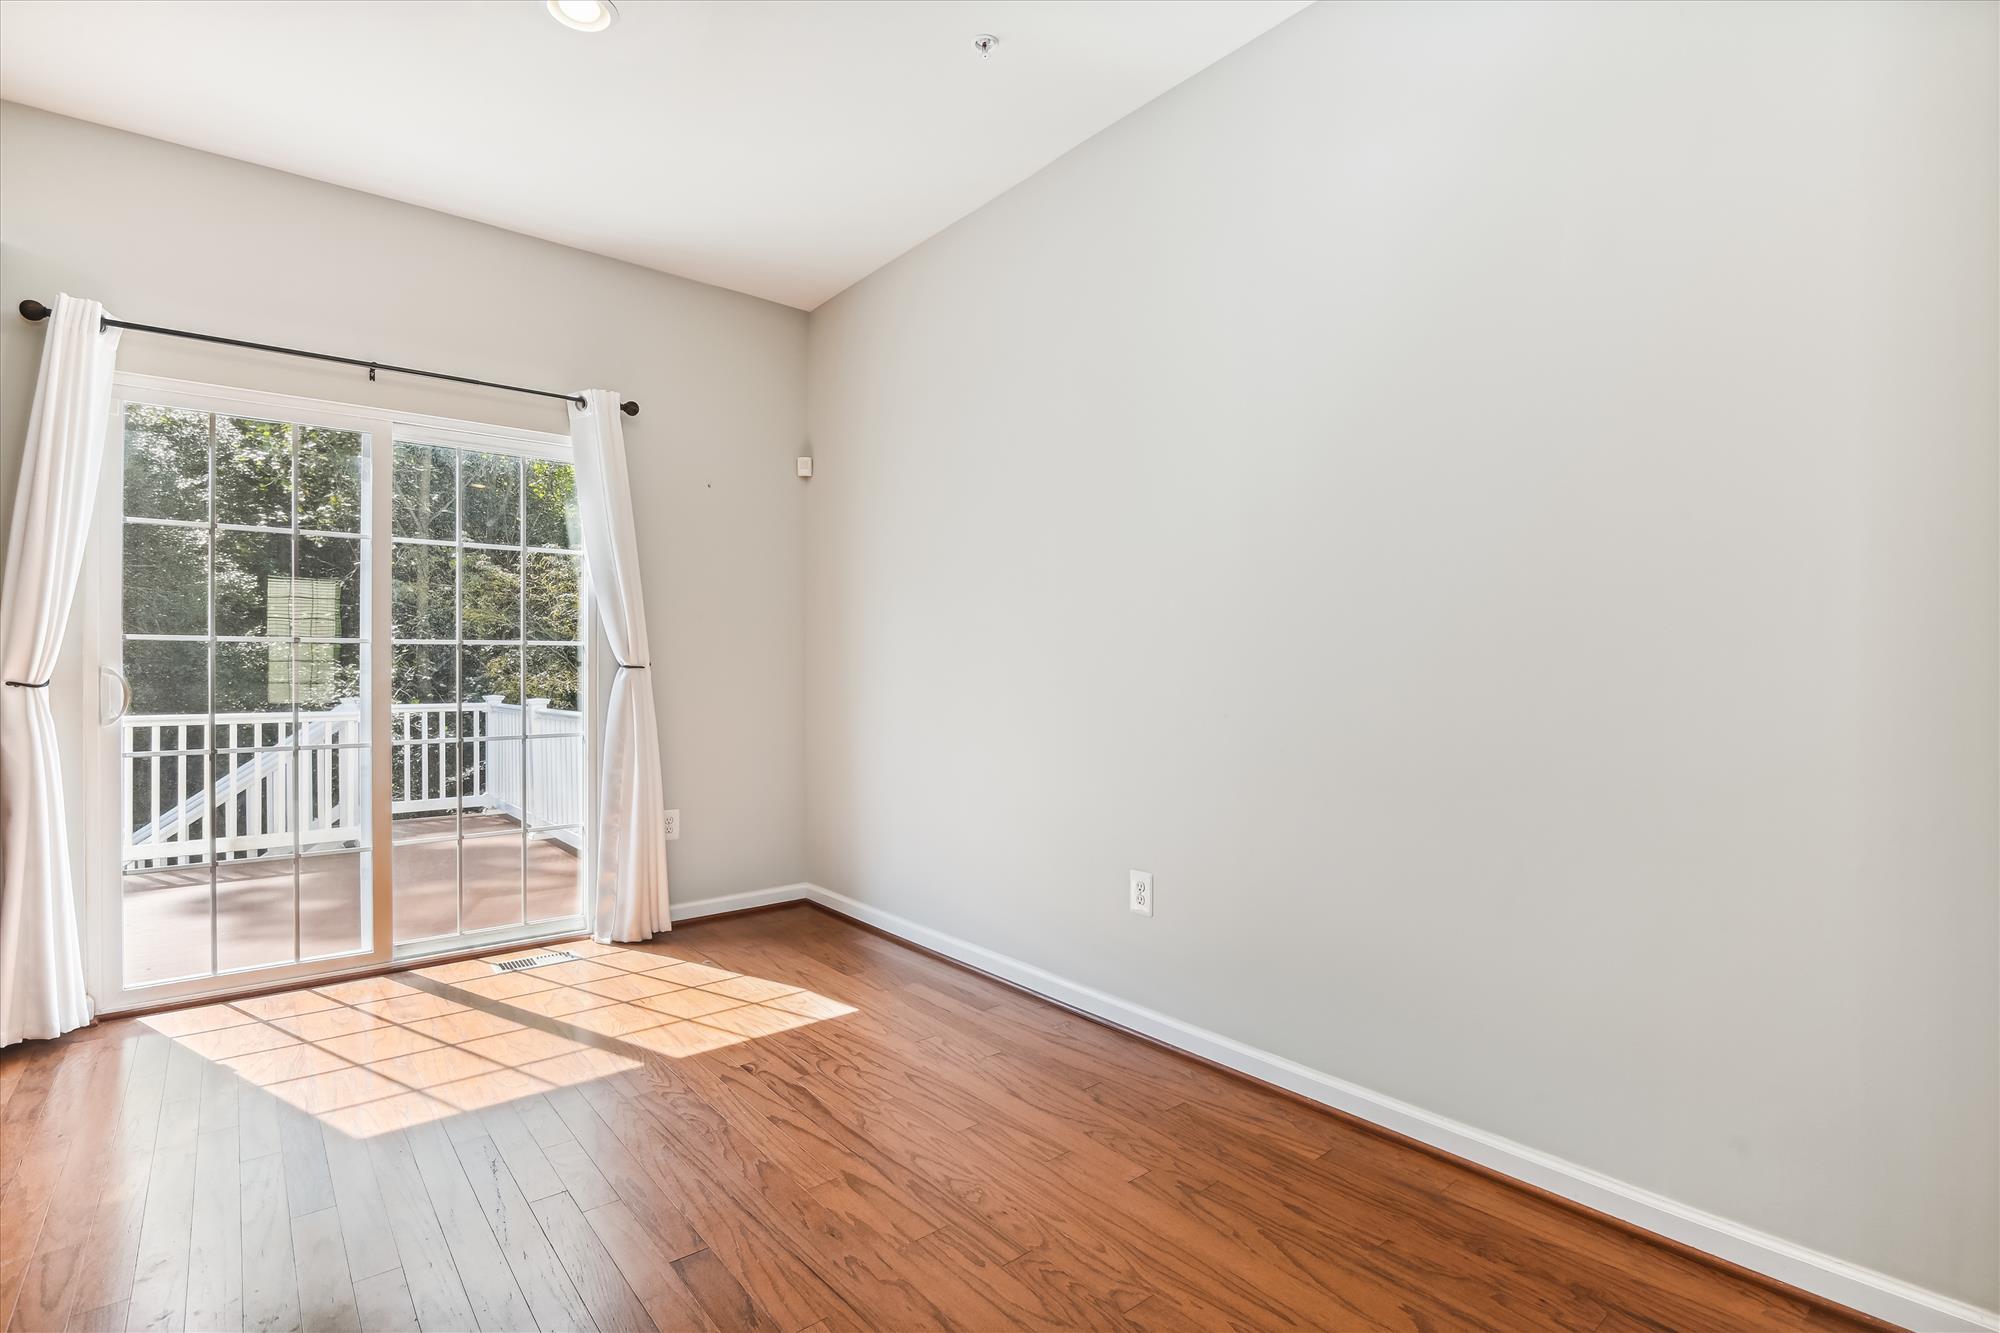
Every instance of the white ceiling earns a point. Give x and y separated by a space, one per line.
785 148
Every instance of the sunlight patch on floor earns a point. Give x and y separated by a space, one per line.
657 1002
371 1056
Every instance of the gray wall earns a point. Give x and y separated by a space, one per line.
169 236
1495 506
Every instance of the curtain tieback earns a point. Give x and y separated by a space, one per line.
27 685
627 666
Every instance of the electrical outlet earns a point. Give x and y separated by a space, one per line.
805 465
1142 892
670 824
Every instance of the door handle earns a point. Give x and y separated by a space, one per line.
124 694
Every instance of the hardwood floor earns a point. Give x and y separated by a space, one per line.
773 1121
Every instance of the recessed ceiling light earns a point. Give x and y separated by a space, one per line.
584 15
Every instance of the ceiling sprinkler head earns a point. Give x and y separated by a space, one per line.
984 44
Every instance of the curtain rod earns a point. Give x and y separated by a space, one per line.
35 312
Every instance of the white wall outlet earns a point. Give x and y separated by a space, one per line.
805 466
670 824
1142 892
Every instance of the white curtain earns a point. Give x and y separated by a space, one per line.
41 952
631 847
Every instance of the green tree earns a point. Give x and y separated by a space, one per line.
186 467
191 467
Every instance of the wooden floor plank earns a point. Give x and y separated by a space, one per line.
723 1301
44 1153
647 1267
489 1282
215 1256
543 1122
308 1181
160 1281
430 1274
185 1071
853 1257
219 1092
104 1278
545 1284
25 1131
383 1302
597 1278
326 1290
270 1274
365 1228
13 1277
638 1187
580 1177
60 1227
256 1121
10 1079
145 1090
775 1121
179 1125
102 1319
734 1214
526 1161
42 1300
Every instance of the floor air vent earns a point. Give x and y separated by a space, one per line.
539 960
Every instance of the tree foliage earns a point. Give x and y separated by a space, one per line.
304 576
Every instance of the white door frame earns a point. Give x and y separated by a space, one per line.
100 618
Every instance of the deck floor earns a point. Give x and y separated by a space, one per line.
167 911
776 1121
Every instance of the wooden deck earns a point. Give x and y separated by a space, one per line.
776 1121
166 911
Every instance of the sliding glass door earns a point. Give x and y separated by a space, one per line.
243 750
316 625
487 720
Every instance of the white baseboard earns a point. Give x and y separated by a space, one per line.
737 902
1834 1279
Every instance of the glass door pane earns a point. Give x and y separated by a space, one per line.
487 663
243 756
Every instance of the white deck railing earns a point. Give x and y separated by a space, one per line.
540 783
266 792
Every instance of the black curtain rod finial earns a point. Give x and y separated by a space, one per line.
34 311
